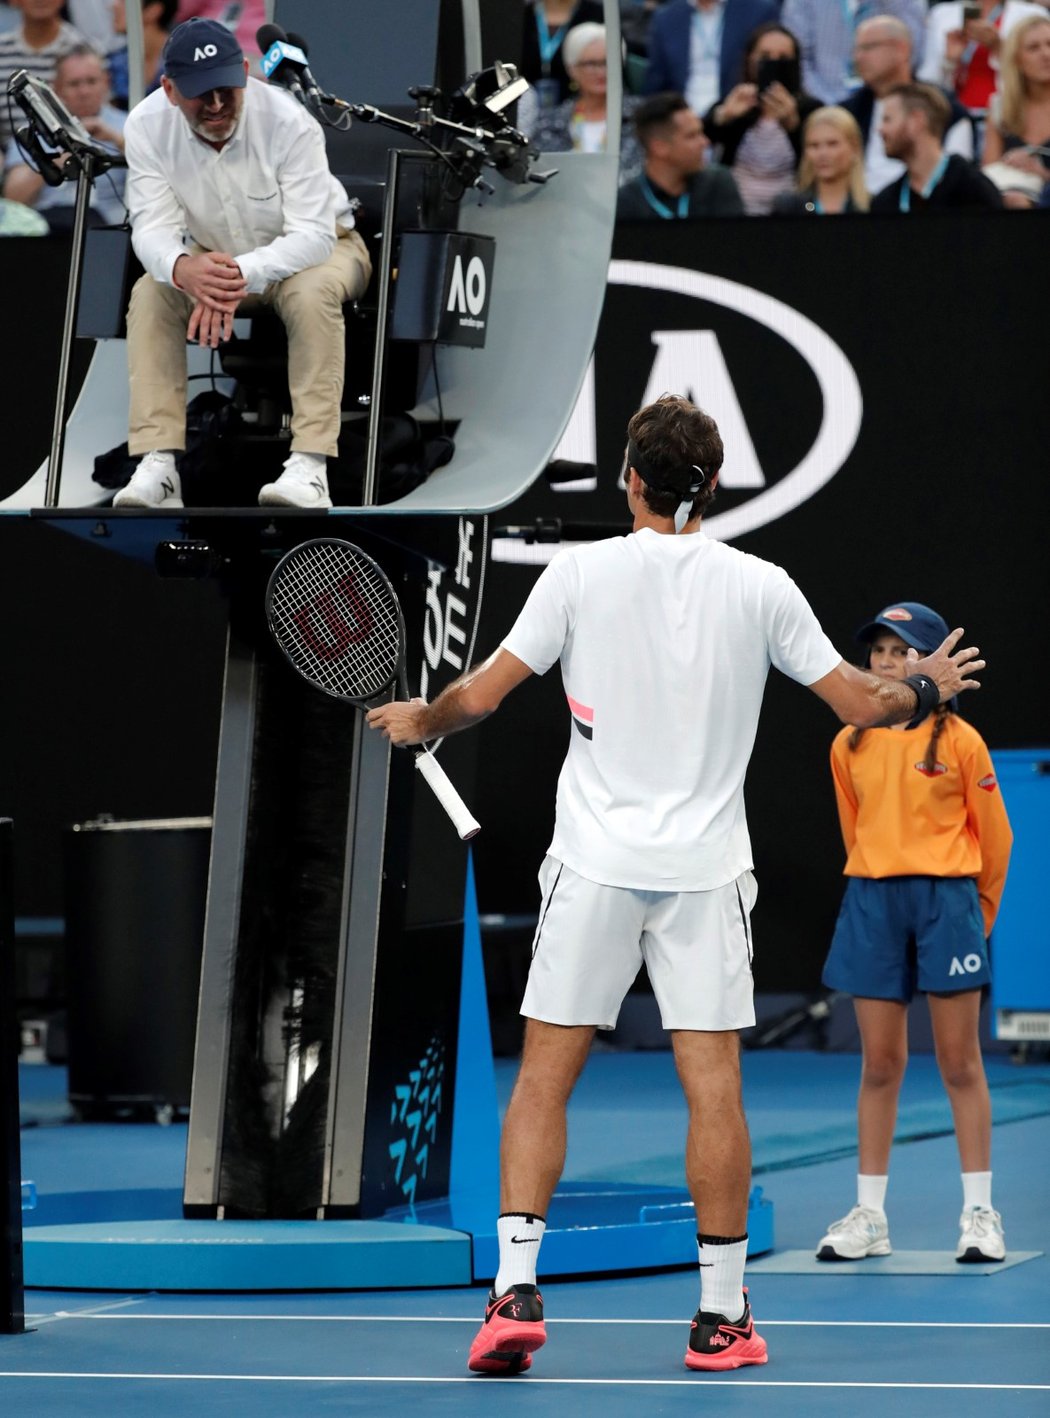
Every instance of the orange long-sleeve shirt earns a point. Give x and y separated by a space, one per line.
899 820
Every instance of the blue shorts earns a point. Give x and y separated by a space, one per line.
906 933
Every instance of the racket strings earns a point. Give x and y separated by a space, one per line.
336 617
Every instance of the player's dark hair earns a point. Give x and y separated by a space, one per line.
674 437
926 99
654 116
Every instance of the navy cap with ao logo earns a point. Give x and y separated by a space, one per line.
917 625
202 55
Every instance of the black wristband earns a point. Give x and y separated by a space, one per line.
928 695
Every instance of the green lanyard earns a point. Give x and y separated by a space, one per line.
931 182
661 208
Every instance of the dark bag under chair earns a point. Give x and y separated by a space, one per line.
217 469
409 453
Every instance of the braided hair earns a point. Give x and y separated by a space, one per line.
940 718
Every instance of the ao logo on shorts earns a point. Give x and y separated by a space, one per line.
968 965
721 328
206 51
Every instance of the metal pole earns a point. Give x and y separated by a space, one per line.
395 158
386 259
12 1296
58 432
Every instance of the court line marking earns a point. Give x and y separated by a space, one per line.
705 1382
473 1319
99 1312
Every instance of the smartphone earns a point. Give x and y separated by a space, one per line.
970 13
778 71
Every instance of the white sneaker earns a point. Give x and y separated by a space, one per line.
980 1235
154 483
864 1232
304 483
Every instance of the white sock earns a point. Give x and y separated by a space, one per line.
722 1275
319 460
871 1192
520 1234
977 1190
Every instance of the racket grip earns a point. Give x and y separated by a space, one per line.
441 786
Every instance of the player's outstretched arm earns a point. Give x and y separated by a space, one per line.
869 702
466 701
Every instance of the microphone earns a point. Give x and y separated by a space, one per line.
282 62
313 89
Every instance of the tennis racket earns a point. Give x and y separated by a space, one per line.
336 617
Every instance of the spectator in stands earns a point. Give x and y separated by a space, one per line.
1019 119
158 17
36 45
964 57
758 124
914 119
579 124
245 20
826 31
94 20
547 22
207 250
883 59
696 47
831 174
81 83
675 185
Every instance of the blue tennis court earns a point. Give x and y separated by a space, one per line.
926 1337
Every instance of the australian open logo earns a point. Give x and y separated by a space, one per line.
786 398
934 772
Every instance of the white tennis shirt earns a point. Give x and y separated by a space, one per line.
267 197
665 643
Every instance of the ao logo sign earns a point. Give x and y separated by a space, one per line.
208 51
467 293
691 362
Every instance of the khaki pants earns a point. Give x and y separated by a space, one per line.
311 305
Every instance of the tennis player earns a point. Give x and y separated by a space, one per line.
927 846
664 641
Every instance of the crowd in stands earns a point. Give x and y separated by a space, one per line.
80 48
811 107
730 106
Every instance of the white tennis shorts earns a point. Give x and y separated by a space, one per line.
591 941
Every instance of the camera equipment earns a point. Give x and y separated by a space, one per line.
467 135
52 126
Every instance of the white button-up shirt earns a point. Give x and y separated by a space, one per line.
267 196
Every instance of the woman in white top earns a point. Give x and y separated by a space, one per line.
963 56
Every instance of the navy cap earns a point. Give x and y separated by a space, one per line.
917 625
202 55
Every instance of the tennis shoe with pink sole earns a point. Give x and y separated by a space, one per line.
714 1343
513 1330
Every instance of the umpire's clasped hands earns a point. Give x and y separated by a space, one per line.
215 282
